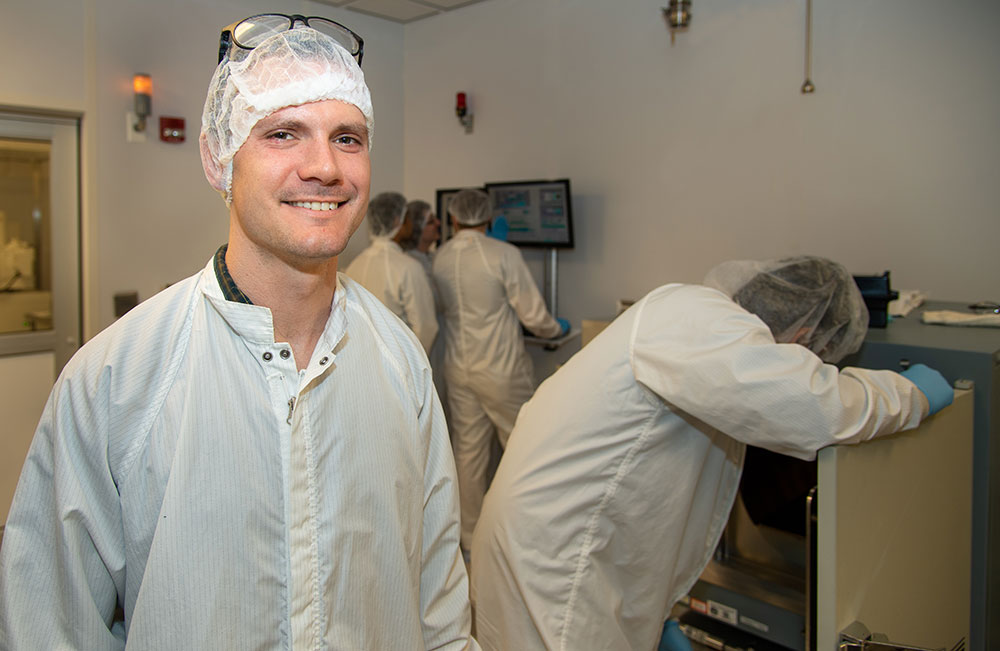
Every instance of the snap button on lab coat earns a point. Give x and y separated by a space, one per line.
323 361
267 357
285 354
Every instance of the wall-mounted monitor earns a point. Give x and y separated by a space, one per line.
538 213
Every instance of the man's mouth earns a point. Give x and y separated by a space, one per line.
316 205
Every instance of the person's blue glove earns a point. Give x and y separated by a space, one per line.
498 229
932 384
673 638
564 326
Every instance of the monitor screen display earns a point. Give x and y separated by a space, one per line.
538 213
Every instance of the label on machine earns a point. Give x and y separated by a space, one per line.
723 612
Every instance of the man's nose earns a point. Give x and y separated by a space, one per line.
320 163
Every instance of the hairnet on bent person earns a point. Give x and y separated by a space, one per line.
806 293
385 214
418 211
293 67
470 207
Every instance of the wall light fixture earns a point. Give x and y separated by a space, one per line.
142 85
678 16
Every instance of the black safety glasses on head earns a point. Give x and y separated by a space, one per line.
251 32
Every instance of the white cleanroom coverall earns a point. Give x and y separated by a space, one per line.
424 258
401 283
487 293
172 474
620 473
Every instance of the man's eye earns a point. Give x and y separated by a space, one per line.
348 141
280 135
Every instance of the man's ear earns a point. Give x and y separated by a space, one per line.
213 171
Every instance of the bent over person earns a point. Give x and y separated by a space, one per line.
255 458
621 471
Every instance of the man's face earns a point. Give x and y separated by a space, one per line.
432 229
300 182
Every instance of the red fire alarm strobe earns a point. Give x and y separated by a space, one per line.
172 129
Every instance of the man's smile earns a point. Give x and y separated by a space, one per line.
316 205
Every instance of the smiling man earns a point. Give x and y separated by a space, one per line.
256 457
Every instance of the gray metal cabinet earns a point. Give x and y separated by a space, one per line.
973 354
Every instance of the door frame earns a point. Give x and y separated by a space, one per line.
63 130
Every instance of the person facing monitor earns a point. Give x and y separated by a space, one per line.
486 292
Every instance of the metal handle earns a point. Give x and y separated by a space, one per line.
811 557
857 637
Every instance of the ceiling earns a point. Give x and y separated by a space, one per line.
400 11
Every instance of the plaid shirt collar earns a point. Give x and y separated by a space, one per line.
229 289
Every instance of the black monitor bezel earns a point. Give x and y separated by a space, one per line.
569 211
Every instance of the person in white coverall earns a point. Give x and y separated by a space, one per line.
396 279
620 473
487 293
254 458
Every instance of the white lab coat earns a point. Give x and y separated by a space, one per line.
436 353
621 471
426 260
487 293
401 283
171 474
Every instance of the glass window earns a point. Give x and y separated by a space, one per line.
25 236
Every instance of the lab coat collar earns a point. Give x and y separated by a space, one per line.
255 322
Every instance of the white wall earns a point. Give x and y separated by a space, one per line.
683 156
150 216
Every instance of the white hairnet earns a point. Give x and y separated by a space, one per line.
809 300
470 207
418 211
294 67
385 214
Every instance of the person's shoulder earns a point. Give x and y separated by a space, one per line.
126 359
503 250
365 253
407 262
447 245
373 325
397 253
679 293
445 251
693 309
379 320
157 317
494 243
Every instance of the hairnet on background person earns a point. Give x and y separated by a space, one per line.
293 67
386 211
470 207
807 294
418 212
